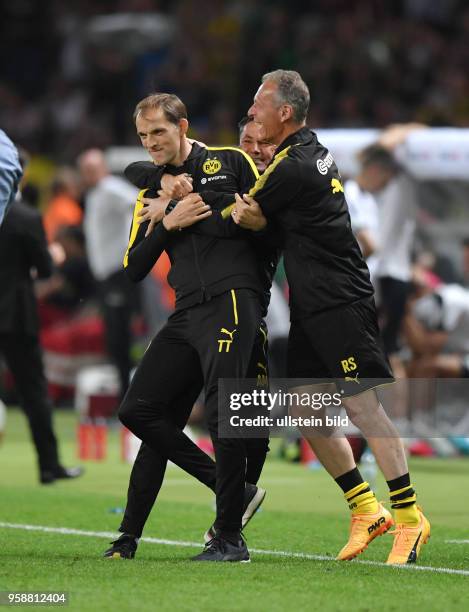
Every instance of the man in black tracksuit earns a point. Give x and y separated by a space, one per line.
334 334
221 289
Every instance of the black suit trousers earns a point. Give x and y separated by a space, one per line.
24 358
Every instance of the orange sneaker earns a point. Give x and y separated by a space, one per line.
364 528
408 541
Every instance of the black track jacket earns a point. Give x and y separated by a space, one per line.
214 255
302 190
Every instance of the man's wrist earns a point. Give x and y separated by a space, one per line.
169 226
261 227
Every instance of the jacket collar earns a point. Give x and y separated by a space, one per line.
195 152
303 136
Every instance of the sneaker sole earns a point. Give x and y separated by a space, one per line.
250 511
253 506
384 529
117 555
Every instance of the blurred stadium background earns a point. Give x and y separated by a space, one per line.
70 76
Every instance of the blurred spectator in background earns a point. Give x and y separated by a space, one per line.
63 208
10 173
382 204
71 285
397 208
23 249
363 214
109 202
386 228
437 331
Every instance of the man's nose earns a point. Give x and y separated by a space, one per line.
251 111
152 140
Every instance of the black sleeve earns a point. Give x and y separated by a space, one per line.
36 247
142 174
145 252
278 187
142 253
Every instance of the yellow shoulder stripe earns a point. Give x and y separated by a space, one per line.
135 225
260 182
248 157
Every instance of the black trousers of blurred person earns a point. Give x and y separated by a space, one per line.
182 357
394 295
118 301
23 356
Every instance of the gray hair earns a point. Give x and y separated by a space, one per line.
292 90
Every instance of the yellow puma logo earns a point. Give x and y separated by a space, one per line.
230 334
224 342
337 186
352 379
262 377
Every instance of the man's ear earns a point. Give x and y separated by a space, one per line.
183 126
286 112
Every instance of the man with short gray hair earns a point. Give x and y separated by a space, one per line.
290 88
334 334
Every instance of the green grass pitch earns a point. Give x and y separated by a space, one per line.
304 512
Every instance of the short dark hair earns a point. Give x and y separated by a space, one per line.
292 90
243 123
376 154
173 107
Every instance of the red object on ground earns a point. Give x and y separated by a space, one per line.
84 440
92 441
421 449
100 441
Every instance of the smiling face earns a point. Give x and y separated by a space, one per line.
260 150
269 114
160 137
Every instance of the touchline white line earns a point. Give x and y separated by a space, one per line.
258 551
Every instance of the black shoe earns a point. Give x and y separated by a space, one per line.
50 476
253 498
219 549
124 547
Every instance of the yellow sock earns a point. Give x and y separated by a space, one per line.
404 506
361 499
